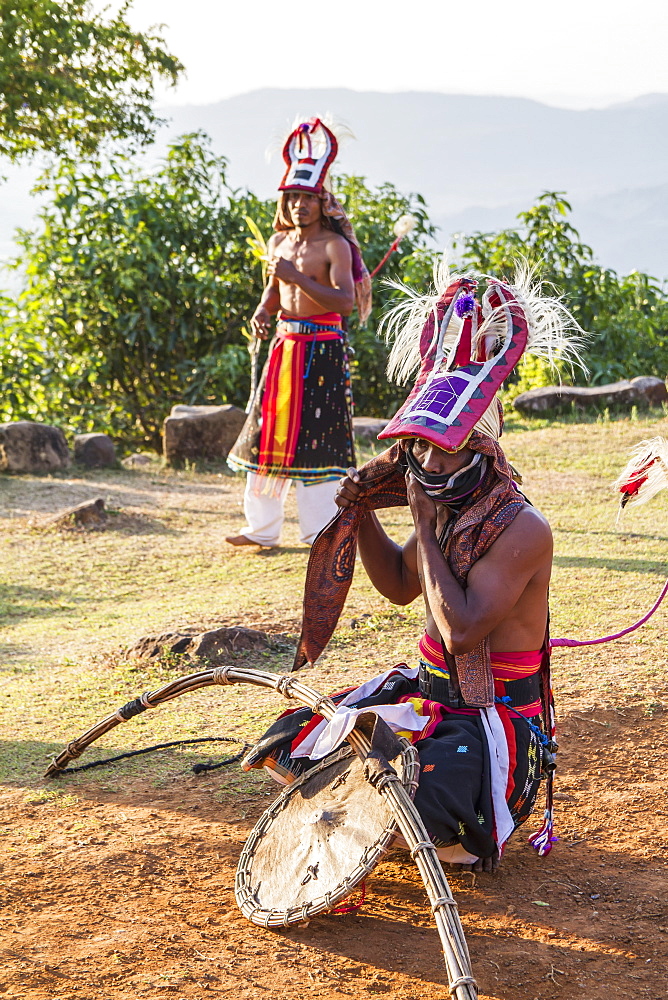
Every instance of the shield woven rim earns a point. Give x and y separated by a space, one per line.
246 899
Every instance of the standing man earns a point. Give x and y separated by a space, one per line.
300 423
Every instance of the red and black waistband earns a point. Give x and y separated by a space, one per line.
516 677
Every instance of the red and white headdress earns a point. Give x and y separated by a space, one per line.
465 348
308 152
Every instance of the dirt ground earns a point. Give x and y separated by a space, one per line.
129 892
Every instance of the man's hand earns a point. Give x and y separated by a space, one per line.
260 323
423 508
349 489
283 270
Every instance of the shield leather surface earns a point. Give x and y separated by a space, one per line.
318 840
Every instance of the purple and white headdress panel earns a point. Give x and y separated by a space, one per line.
308 153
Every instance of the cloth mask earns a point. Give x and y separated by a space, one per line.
454 489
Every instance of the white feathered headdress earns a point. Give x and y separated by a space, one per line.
465 348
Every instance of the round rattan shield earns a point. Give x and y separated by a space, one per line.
321 836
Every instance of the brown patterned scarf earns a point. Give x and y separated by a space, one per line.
490 509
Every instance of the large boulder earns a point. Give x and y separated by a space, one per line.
94 451
30 447
200 432
645 390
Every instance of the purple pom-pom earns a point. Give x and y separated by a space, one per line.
465 305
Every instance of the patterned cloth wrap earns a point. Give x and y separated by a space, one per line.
300 421
480 769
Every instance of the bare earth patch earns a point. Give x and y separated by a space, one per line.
129 893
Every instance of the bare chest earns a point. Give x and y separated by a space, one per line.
309 257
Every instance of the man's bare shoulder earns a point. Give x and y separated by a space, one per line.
529 531
338 247
275 241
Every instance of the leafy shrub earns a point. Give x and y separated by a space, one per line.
137 289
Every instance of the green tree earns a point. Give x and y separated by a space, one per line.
625 316
138 287
373 212
71 78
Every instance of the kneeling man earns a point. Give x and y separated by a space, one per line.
478 706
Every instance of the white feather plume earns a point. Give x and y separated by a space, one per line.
404 225
402 325
646 473
553 332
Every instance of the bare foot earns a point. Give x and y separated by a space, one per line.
483 864
242 540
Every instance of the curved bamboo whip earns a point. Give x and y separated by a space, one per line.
461 984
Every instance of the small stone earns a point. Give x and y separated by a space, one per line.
138 459
215 646
368 428
88 514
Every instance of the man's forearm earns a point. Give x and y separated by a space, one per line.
383 561
270 300
446 598
333 299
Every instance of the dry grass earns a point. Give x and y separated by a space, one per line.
71 600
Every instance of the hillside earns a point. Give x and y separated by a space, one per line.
477 160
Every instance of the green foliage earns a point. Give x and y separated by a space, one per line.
70 78
626 316
138 286
373 212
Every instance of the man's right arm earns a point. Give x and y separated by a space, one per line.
392 568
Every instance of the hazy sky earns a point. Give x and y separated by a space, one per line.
576 53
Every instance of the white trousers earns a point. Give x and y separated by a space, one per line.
264 507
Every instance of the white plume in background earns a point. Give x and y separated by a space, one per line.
553 332
646 473
404 225
403 324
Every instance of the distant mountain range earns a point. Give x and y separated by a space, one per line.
477 160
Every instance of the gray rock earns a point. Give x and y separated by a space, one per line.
87 514
31 447
645 390
368 428
151 646
94 451
224 642
201 432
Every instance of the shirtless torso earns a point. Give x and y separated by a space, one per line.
506 591
310 268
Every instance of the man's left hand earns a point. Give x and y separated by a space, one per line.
423 508
284 270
